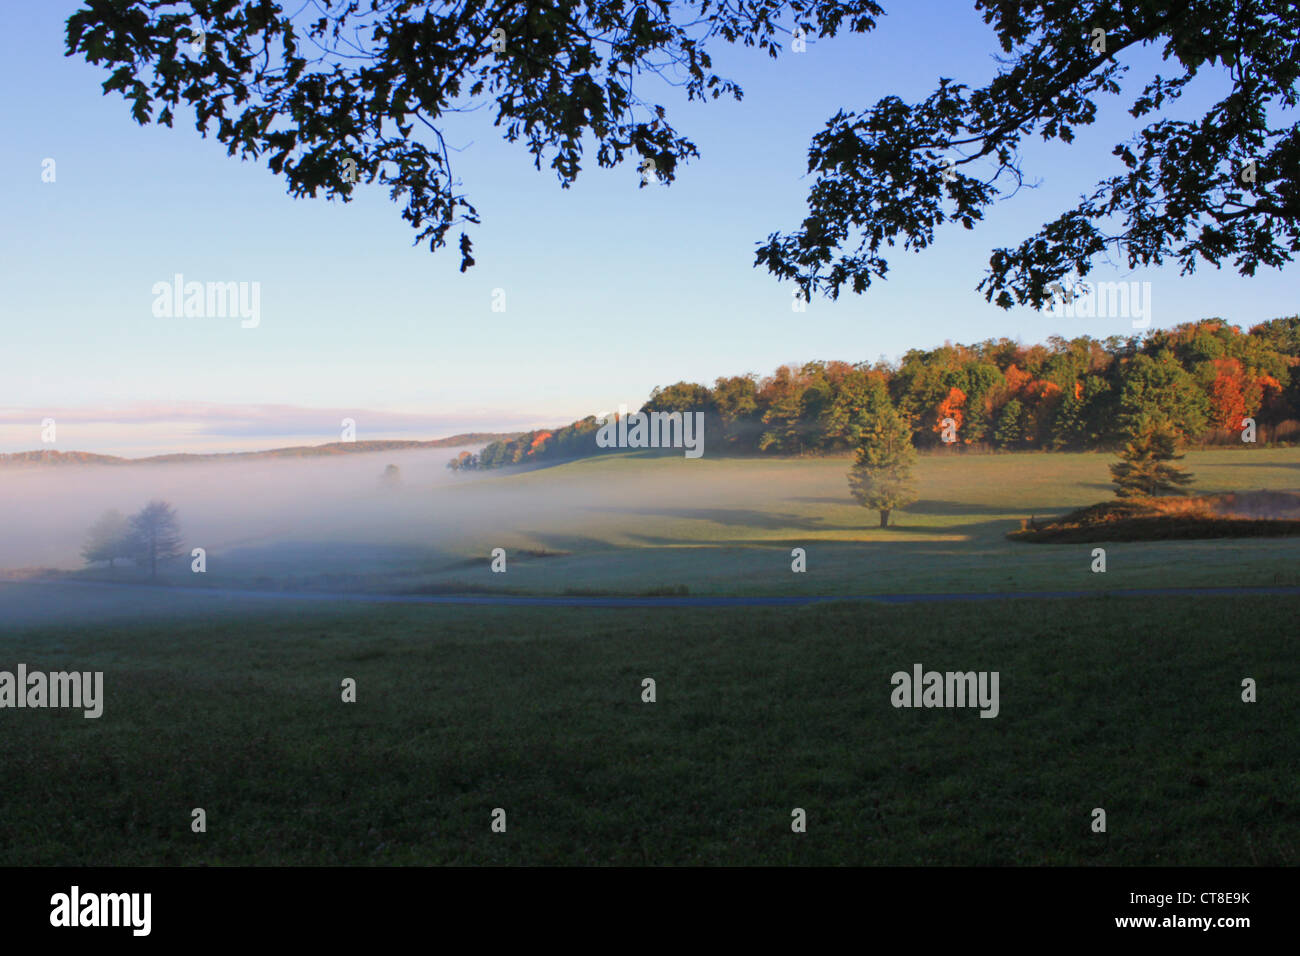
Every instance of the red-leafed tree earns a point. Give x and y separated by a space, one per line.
1041 399
950 407
1016 380
1227 403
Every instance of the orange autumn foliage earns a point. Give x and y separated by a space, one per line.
1267 381
1042 391
1236 394
950 407
1227 405
1016 379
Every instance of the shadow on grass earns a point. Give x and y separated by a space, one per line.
1264 464
744 517
1108 488
935 507
814 500
993 532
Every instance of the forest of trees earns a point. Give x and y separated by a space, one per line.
1201 379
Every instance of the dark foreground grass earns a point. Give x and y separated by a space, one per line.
1129 705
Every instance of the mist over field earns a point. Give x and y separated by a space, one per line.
306 515
45 511
627 523
325 523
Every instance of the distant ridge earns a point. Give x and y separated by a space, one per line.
46 457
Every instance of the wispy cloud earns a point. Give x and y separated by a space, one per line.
153 427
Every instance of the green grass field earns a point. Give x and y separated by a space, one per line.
1132 706
630 525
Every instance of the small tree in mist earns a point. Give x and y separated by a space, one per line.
157 534
881 477
392 477
109 538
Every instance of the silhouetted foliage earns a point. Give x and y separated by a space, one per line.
339 93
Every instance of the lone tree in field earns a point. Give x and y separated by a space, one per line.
881 477
1144 469
109 538
157 534
336 93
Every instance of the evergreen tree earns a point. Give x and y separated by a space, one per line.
881 477
1144 468
1067 424
1011 424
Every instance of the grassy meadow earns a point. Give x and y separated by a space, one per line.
626 524
1128 705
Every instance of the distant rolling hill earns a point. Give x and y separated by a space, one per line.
46 457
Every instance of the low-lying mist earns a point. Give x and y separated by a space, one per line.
295 515
284 531
335 524
45 512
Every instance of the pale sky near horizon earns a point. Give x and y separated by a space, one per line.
610 289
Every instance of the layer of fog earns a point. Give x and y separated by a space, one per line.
45 512
306 523
299 507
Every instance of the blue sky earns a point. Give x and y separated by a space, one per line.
610 289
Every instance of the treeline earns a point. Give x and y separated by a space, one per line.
1203 378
